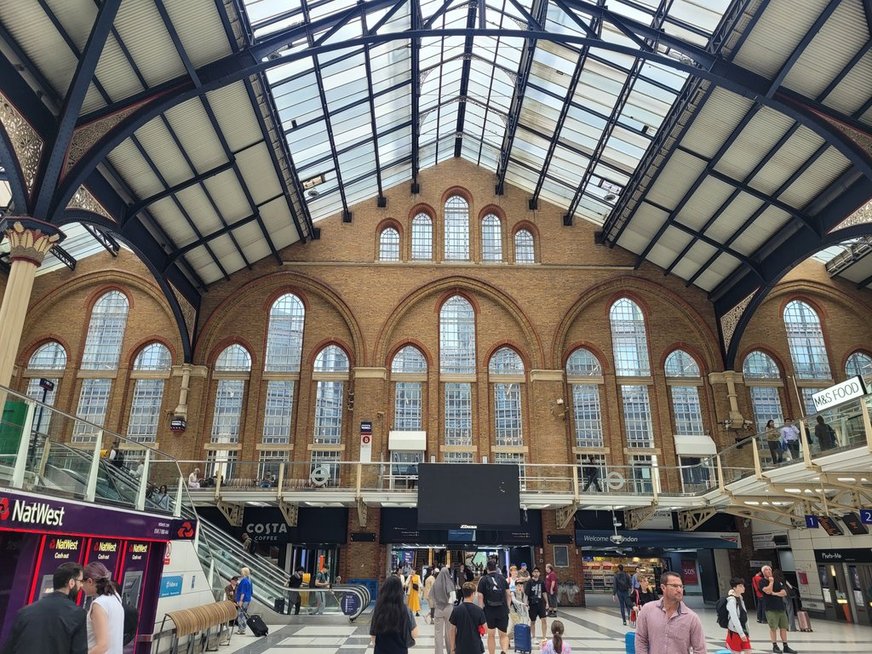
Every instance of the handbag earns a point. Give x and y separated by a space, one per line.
633 614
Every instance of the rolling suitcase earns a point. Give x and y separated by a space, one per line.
630 642
803 621
279 605
523 641
257 625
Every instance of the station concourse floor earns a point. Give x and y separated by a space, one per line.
595 629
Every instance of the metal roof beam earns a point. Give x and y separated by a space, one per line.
867 10
172 190
464 77
416 21
64 257
60 139
540 12
103 238
381 200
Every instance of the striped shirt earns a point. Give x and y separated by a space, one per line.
658 634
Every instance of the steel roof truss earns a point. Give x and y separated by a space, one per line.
381 200
103 238
172 190
416 21
464 77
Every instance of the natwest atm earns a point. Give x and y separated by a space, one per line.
38 533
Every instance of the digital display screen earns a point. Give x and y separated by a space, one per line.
830 526
468 496
852 522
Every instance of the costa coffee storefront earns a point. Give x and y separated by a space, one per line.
38 533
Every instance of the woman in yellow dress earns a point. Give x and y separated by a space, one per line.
414 592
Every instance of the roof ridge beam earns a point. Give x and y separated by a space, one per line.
474 6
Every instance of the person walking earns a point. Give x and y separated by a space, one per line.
537 600
667 625
414 597
776 614
591 475
428 586
442 597
496 600
53 624
551 588
640 596
556 644
106 615
737 627
773 440
322 580
621 592
392 629
758 596
825 435
243 599
466 624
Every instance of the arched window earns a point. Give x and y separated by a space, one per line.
630 347
859 363
457 360
389 245
763 379
584 375
683 378
629 341
506 373
105 332
806 340
331 375
232 368
457 337
48 362
151 368
422 238
491 238
409 376
456 229
284 348
525 251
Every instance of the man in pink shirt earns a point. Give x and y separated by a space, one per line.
667 626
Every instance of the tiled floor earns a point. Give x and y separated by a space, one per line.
596 630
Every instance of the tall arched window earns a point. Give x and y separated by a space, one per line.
584 375
284 348
684 380
859 363
506 373
807 351
389 245
525 251
457 368
330 374
102 350
232 370
491 238
456 229
151 369
48 362
630 347
105 332
763 379
409 376
422 238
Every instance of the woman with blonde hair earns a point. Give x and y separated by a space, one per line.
106 615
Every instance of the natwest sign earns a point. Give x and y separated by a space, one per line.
842 392
31 513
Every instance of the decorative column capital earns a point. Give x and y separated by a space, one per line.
30 239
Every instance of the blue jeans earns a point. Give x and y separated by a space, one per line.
626 605
242 616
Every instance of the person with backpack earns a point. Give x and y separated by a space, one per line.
733 616
825 435
621 592
538 603
467 624
494 591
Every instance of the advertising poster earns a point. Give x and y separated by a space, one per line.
689 573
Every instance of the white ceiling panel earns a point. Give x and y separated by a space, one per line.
761 230
678 176
754 142
704 202
197 136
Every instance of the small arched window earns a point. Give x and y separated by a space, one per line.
148 390
491 239
629 340
229 394
456 229
525 251
48 357
422 238
686 407
329 394
457 337
584 376
284 339
409 376
680 364
506 371
763 379
389 245
153 357
409 360
859 363
233 358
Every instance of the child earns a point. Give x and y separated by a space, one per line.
556 644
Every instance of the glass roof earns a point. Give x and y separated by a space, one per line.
574 133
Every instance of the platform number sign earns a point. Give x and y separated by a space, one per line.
866 516
811 521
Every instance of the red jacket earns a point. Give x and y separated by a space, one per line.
755 583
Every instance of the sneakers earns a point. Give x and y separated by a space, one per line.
789 650
776 648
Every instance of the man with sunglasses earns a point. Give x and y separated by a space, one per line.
667 626
53 624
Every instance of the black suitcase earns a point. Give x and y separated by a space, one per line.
257 625
279 605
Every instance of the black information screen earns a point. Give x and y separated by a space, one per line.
468 496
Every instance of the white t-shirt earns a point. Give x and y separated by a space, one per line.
111 605
193 482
